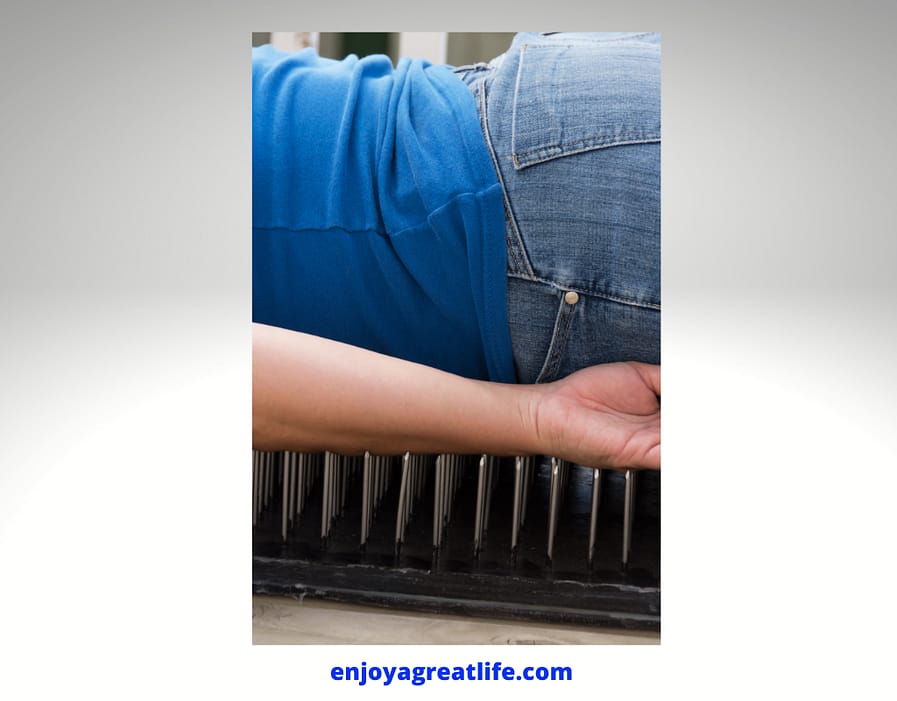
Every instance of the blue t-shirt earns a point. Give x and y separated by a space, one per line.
377 215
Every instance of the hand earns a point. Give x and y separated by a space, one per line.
603 416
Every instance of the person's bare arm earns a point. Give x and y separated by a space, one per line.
313 394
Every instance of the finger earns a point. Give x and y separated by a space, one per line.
652 458
650 375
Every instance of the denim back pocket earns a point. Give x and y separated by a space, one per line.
582 95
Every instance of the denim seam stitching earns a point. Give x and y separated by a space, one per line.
562 341
513 240
533 157
591 293
558 342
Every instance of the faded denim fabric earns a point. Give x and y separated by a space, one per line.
573 124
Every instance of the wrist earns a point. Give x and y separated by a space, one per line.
531 438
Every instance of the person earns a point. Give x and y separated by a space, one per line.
460 259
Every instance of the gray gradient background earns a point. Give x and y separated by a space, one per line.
125 355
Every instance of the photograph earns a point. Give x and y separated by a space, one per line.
456 315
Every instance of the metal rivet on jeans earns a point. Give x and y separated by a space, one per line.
571 297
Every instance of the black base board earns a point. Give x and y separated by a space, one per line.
568 602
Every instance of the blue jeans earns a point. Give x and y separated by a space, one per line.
573 123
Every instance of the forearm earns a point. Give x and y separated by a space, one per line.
312 394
